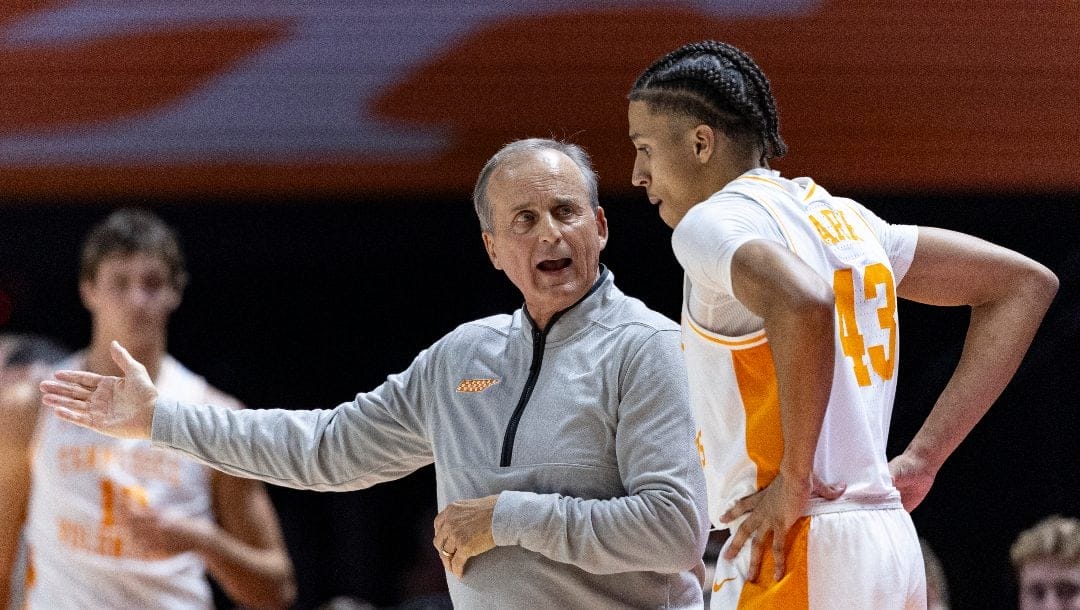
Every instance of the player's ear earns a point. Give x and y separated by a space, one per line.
86 293
704 139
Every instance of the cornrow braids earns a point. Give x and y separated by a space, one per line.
720 85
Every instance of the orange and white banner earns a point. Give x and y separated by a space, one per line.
282 98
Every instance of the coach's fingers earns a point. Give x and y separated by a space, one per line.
83 379
80 418
125 361
457 563
446 562
73 391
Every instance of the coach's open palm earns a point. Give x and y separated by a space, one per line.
118 406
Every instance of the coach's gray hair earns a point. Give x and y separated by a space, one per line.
576 153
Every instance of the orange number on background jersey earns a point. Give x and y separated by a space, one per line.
110 495
851 340
108 502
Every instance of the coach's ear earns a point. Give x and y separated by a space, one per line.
489 245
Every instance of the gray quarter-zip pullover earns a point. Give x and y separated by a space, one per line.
584 430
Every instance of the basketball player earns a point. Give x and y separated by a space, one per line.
790 336
119 524
25 359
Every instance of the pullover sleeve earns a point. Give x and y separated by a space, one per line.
379 436
661 524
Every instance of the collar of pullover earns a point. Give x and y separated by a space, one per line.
566 323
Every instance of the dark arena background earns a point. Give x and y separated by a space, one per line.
317 160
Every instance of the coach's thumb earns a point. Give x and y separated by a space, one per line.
123 359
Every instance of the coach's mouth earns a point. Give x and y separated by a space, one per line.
555 264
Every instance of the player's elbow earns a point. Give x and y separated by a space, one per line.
1039 284
279 595
275 587
285 593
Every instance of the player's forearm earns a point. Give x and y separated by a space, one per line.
798 308
7 564
250 576
998 336
14 493
801 339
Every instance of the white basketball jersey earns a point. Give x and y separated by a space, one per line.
77 558
732 377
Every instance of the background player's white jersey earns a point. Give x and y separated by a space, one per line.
77 558
729 361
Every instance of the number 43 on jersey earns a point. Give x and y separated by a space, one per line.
882 359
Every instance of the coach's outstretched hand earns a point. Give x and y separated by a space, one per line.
118 406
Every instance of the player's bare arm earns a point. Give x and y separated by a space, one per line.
18 416
248 556
1008 294
798 310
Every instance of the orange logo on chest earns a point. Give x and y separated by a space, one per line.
475 385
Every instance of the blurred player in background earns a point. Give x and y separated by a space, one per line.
1046 558
120 524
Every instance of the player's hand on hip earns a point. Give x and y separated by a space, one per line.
771 513
821 489
913 477
118 406
463 531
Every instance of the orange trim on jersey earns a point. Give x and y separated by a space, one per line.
763 179
771 211
756 376
859 215
750 341
779 222
791 591
809 193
